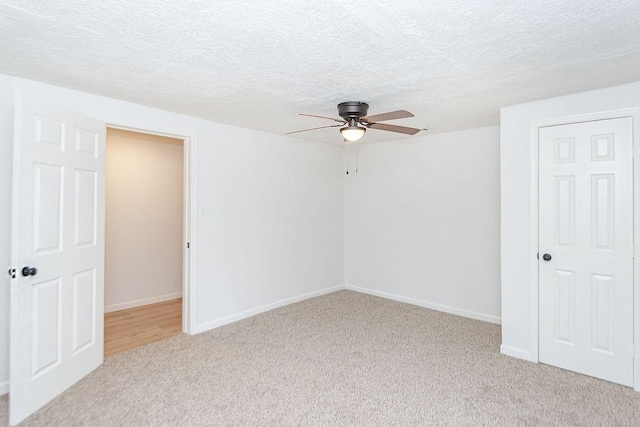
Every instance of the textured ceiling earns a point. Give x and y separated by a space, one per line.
257 64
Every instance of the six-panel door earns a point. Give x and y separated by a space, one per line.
586 227
56 314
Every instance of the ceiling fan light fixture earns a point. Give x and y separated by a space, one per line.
352 133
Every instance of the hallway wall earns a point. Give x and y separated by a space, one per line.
144 219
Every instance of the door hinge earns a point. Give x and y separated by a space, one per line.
12 273
188 245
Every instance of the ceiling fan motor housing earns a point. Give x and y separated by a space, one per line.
352 110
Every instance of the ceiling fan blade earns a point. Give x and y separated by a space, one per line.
323 117
306 130
392 115
394 128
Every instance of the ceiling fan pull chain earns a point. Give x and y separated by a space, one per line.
357 145
346 149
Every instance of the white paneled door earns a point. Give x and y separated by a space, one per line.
586 248
58 251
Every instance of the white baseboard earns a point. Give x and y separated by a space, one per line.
252 312
426 304
4 387
141 302
517 353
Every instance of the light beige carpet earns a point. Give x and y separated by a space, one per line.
344 358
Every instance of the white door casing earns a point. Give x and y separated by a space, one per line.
586 225
58 228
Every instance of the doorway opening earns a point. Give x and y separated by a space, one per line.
144 238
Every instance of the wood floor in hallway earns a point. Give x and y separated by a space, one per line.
138 326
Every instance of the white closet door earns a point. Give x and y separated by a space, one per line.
57 302
586 248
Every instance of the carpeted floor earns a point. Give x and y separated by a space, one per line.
343 358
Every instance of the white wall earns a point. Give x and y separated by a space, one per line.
144 219
275 221
422 222
515 170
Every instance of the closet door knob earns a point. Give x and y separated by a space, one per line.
546 257
29 271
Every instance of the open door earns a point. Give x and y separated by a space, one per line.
58 251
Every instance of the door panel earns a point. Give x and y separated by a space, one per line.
564 306
58 228
48 193
46 315
602 292
85 205
84 310
586 225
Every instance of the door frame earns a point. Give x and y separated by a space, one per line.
189 219
634 114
